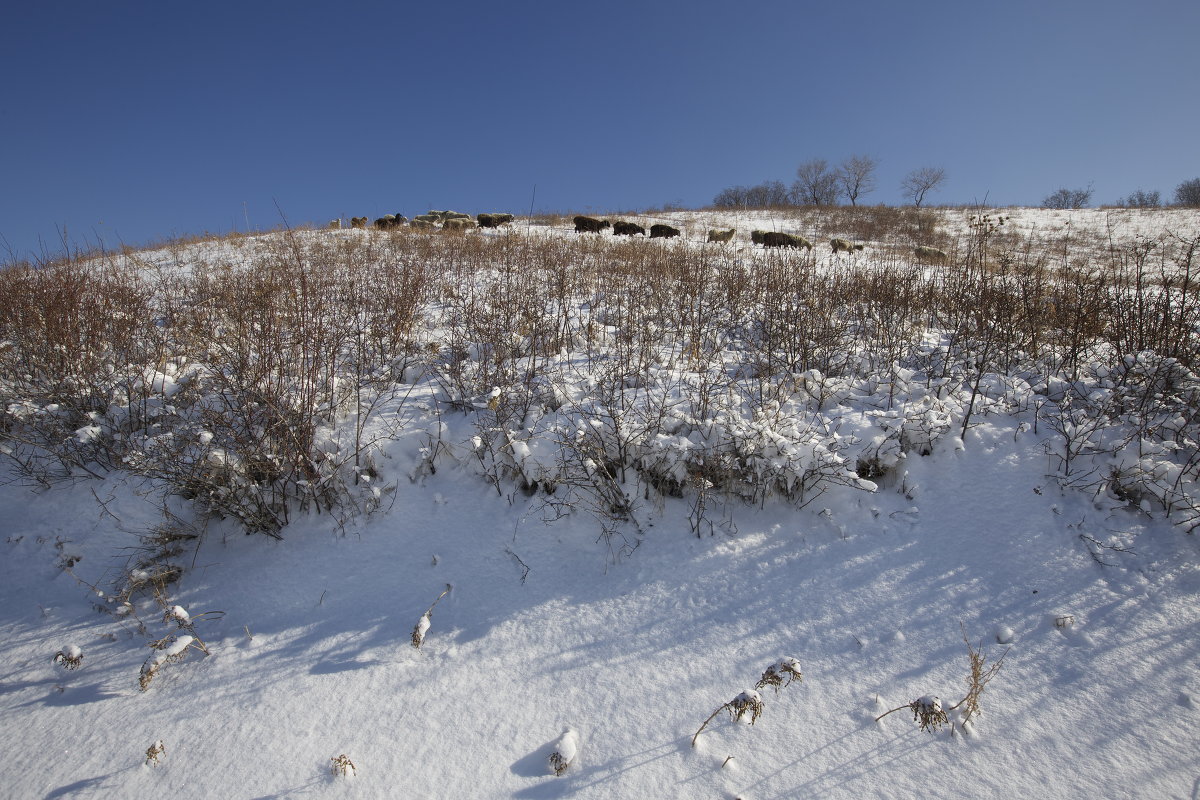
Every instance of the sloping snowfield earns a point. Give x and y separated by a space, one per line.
611 642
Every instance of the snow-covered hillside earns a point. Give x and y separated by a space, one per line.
603 530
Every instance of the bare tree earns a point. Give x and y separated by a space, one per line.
768 194
1142 199
857 177
1068 198
921 182
816 184
1188 193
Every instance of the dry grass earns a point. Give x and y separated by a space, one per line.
275 338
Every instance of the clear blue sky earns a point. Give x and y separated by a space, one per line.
135 121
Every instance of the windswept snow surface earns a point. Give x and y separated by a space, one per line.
310 652
313 658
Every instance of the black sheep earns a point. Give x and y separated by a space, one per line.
590 225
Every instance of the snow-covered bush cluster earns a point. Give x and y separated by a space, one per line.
286 374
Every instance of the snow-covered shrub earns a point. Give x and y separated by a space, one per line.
780 674
342 767
926 422
171 650
154 753
70 657
565 752
928 713
749 703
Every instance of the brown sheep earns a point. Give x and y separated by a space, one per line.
663 232
842 244
493 220
757 236
622 228
590 225
721 236
358 222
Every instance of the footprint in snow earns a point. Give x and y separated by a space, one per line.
1069 627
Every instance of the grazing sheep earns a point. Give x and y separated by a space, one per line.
421 224
493 220
458 224
757 236
842 244
445 215
776 239
389 221
590 225
622 228
430 218
334 224
663 232
721 236
358 222
930 253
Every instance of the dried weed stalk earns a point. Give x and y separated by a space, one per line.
928 712
422 626
342 767
70 657
748 702
154 753
780 674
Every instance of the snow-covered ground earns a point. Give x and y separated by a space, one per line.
539 636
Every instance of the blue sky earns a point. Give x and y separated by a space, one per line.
136 121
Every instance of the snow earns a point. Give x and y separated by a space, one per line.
548 643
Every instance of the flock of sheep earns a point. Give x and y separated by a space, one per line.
764 238
454 220
446 220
